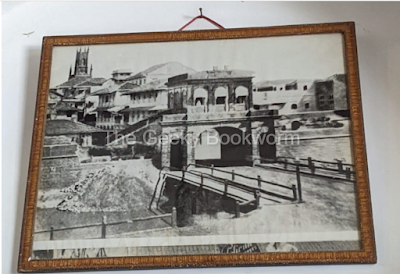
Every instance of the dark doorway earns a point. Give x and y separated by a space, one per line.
99 138
118 119
267 146
267 143
90 119
234 148
177 154
80 116
171 103
177 100
126 117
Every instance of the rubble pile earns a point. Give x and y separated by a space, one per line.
105 190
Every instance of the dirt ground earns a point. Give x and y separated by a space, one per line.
327 206
139 176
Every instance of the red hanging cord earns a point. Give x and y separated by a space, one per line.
201 16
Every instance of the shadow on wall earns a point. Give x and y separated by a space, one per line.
31 83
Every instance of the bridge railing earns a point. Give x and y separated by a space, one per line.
256 181
313 166
295 189
256 192
103 225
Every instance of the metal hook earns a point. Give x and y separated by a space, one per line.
202 17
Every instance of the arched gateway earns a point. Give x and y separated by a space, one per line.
223 146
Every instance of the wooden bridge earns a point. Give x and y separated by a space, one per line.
194 185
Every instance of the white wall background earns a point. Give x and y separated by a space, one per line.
378 36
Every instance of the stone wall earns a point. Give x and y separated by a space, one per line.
60 163
59 150
59 172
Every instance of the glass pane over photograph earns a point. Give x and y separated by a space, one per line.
198 147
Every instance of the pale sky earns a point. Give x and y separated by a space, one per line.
271 58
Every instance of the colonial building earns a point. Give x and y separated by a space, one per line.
286 97
282 85
80 74
54 98
213 91
159 72
63 111
144 101
280 96
129 99
213 104
78 133
147 93
327 94
120 76
76 91
110 102
219 118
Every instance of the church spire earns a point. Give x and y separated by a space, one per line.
91 68
81 62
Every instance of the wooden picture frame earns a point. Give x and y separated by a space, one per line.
366 252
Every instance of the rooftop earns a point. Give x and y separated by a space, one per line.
155 85
93 82
212 74
146 71
62 106
274 83
121 71
151 69
135 108
338 77
218 74
109 90
55 93
74 81
127 86
271 83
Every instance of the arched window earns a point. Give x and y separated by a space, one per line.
241 94
307 105
200 97
221 95
294 106
305 87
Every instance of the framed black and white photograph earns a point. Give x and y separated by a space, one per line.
198 148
